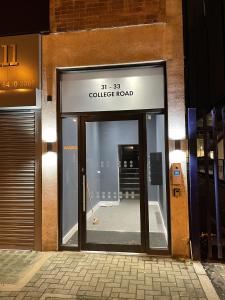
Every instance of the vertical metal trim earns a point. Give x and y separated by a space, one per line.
208 203
144 215
82 222
222 6
223 125
84 193
216 185
59 160
167 163
204 8
193 183
80 217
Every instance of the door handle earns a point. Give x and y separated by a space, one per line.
84 193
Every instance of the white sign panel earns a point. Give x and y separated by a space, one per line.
113 90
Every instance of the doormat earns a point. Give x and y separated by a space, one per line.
18 267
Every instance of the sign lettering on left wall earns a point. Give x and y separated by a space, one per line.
19 70
9 53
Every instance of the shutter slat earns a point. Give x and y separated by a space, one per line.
17 179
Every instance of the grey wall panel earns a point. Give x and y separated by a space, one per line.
113 134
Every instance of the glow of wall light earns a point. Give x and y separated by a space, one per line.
177 133
177 156
49 159
49 135
211 154
22 90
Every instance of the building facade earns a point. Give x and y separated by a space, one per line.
112 107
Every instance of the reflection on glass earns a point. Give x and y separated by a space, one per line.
70 182
156 181
113 183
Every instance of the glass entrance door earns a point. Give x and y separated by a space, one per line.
111 178
114 190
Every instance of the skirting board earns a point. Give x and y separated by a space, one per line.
164 227
70 233
74 229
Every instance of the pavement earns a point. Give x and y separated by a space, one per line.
216 273
81 275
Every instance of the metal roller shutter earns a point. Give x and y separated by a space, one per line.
17 179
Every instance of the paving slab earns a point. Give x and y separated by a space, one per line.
216 273
18 267
87 275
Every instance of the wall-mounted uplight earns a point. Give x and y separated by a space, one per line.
49 98
49 158
49 147
177 144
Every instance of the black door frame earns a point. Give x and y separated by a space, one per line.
111 116
114 116
59 72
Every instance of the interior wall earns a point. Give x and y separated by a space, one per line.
113 134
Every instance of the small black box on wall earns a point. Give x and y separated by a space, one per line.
156 168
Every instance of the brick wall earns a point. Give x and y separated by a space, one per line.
72 15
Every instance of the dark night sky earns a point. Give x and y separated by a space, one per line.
24 16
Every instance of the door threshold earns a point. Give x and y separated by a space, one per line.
126 253
115 253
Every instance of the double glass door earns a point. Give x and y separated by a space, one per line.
110 200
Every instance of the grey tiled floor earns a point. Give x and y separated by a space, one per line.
71 275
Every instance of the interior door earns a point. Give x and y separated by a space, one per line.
112 217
